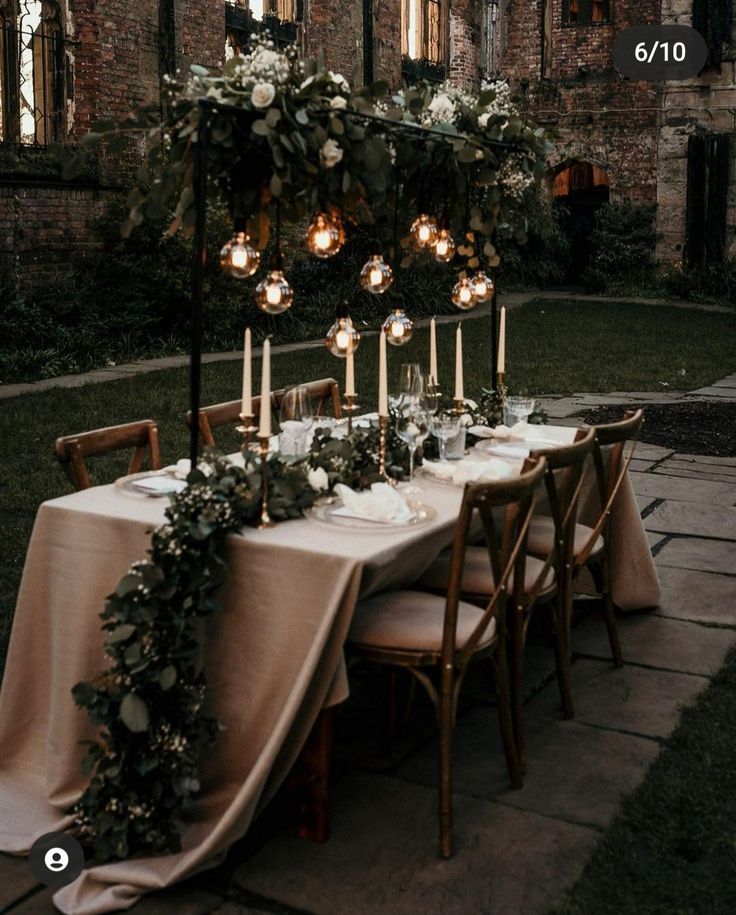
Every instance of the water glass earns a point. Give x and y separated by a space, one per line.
444 427
296 420
517 410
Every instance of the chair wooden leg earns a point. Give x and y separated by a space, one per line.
516 629
500 675
602 575
316 756
445 772
562 623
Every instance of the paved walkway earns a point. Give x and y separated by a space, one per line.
517 851
116 372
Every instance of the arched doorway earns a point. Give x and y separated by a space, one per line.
579 189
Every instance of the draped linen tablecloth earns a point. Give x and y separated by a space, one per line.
273 656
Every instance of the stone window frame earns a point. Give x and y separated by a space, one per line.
432 42
584 12
34 119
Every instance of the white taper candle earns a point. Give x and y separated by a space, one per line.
433 374
502 342
349 376
265 424
459 394
247 405
382 376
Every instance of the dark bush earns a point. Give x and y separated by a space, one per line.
543 260
623 246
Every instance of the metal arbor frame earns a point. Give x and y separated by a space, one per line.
199 185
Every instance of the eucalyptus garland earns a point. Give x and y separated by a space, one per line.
150 703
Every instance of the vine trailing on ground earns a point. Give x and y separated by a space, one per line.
150 703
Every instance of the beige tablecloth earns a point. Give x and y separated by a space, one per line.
274 660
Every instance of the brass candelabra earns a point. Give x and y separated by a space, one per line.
382 443
247 429
350 407
264 449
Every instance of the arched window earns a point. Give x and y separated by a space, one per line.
31 67
422 30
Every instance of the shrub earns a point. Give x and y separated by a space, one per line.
623 246
543 260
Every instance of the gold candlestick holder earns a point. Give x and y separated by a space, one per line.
459 405
265 517
350 407
382 443
500 386
247 429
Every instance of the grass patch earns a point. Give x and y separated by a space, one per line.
672 849
560 347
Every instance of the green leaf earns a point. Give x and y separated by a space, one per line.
128 583
302 117
197 70
168 677
275 185
134 713
261 128
120 634
273 116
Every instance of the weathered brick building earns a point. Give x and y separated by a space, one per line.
68 63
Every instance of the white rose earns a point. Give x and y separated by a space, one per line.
262 95
338 79
483 119
318 479
339 102
307 82
331 153
441 108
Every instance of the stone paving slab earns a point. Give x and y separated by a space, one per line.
647 452
713 474
637 700
574 772
693 518
729 382
698 596
725 471
721 393
654 539
641 465
701 554
661 486
657 641
706 460
644 502
16 879
383 857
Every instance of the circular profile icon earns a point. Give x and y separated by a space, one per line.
56 859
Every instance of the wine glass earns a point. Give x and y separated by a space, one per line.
412 427
410 381
296 419
517 410
444 427
431 396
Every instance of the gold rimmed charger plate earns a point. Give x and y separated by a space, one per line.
325 514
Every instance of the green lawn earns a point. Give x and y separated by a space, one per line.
672 849
559 347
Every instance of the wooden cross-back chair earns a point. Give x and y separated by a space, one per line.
321 393
436 638
557 537
73 450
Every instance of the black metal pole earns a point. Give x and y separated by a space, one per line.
199 259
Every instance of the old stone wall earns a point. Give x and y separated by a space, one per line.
707 103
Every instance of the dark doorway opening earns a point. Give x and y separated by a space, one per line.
579 189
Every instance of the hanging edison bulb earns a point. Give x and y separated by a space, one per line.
343 337
444 247
238 258
423 232
463 295
398 327
376 275
274 295
483 286
325 235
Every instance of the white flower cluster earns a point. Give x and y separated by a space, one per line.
501 104
513 177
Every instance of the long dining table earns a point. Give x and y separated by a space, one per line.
274 659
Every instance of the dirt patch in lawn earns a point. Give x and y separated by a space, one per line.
692 427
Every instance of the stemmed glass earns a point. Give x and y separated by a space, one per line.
444 427
410 381
431 396
412 427
517 410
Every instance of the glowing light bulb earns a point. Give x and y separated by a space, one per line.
342 338
466 294
483 286
423 232
444 247
376 275
325 235
274 295
238 258
398 327
463 295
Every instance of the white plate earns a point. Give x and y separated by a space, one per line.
327 513
154 484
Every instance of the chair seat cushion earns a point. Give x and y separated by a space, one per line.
542 537
478 576
413 621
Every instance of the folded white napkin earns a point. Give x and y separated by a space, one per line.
382 504
467 470
294 438
538 434
159 485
